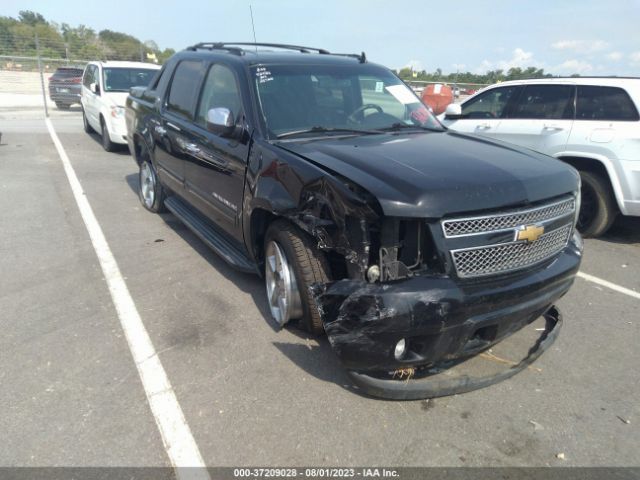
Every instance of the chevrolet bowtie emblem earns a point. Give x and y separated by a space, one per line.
529 233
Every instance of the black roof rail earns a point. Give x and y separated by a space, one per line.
232 47
215 46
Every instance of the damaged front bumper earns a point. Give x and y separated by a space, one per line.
441 320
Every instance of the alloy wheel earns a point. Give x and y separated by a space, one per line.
147 185
282 290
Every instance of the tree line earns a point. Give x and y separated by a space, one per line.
17 37
492 76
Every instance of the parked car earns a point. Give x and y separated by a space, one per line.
409 245
591 124
105 86
65 86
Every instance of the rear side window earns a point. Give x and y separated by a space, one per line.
68 72
545 102
490 104
184 88
605 103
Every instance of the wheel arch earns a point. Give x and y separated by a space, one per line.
259 222
601 166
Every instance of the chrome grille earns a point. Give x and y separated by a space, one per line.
508 219
479 261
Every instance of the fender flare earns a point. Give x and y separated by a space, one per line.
614 179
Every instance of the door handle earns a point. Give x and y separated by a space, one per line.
173 126
484 126
192 148
552 126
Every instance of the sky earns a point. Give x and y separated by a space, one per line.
562 36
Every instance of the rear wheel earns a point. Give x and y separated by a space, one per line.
292 264
107 144
598 209
62 106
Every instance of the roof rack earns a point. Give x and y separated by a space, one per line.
234 47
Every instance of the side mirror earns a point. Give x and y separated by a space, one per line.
453 111
220 121
94 88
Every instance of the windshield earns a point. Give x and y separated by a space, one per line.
304 99
122 79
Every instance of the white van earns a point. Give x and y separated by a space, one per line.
590 123
105 87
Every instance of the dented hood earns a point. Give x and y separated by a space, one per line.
431 174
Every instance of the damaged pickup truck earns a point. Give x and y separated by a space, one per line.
411 246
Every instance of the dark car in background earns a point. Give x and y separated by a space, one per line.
65 86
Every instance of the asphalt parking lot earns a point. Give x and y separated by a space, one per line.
252 394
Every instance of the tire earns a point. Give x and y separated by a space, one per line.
85 123
308 266
62 106
598 208
107 144
150 190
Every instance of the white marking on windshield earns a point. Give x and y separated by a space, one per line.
402 94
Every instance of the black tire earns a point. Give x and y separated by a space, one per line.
63 106
598 210
85 123
157 204
107 144
309 266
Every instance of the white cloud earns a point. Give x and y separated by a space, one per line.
582 46
565 45
635 58
574 66
416 65
519 59
615 56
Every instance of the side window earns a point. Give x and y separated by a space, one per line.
490 104
220 89
545 102
88 76
184 88
605 103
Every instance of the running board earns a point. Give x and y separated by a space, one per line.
210 235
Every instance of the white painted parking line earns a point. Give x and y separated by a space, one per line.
612 286
176 434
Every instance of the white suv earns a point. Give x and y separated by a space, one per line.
105 87
589 123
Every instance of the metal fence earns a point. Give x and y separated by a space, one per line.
28 62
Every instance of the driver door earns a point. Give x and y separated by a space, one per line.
482 114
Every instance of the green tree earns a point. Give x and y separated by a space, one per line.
31 18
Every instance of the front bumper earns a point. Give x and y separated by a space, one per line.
118 130
441 318
431 386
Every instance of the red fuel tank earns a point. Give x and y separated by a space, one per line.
437 96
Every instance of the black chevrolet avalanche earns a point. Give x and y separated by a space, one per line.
409 245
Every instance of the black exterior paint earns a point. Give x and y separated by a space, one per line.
443 319
341 190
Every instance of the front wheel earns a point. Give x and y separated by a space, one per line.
107 144
85 123
598 209
292 264
150 191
